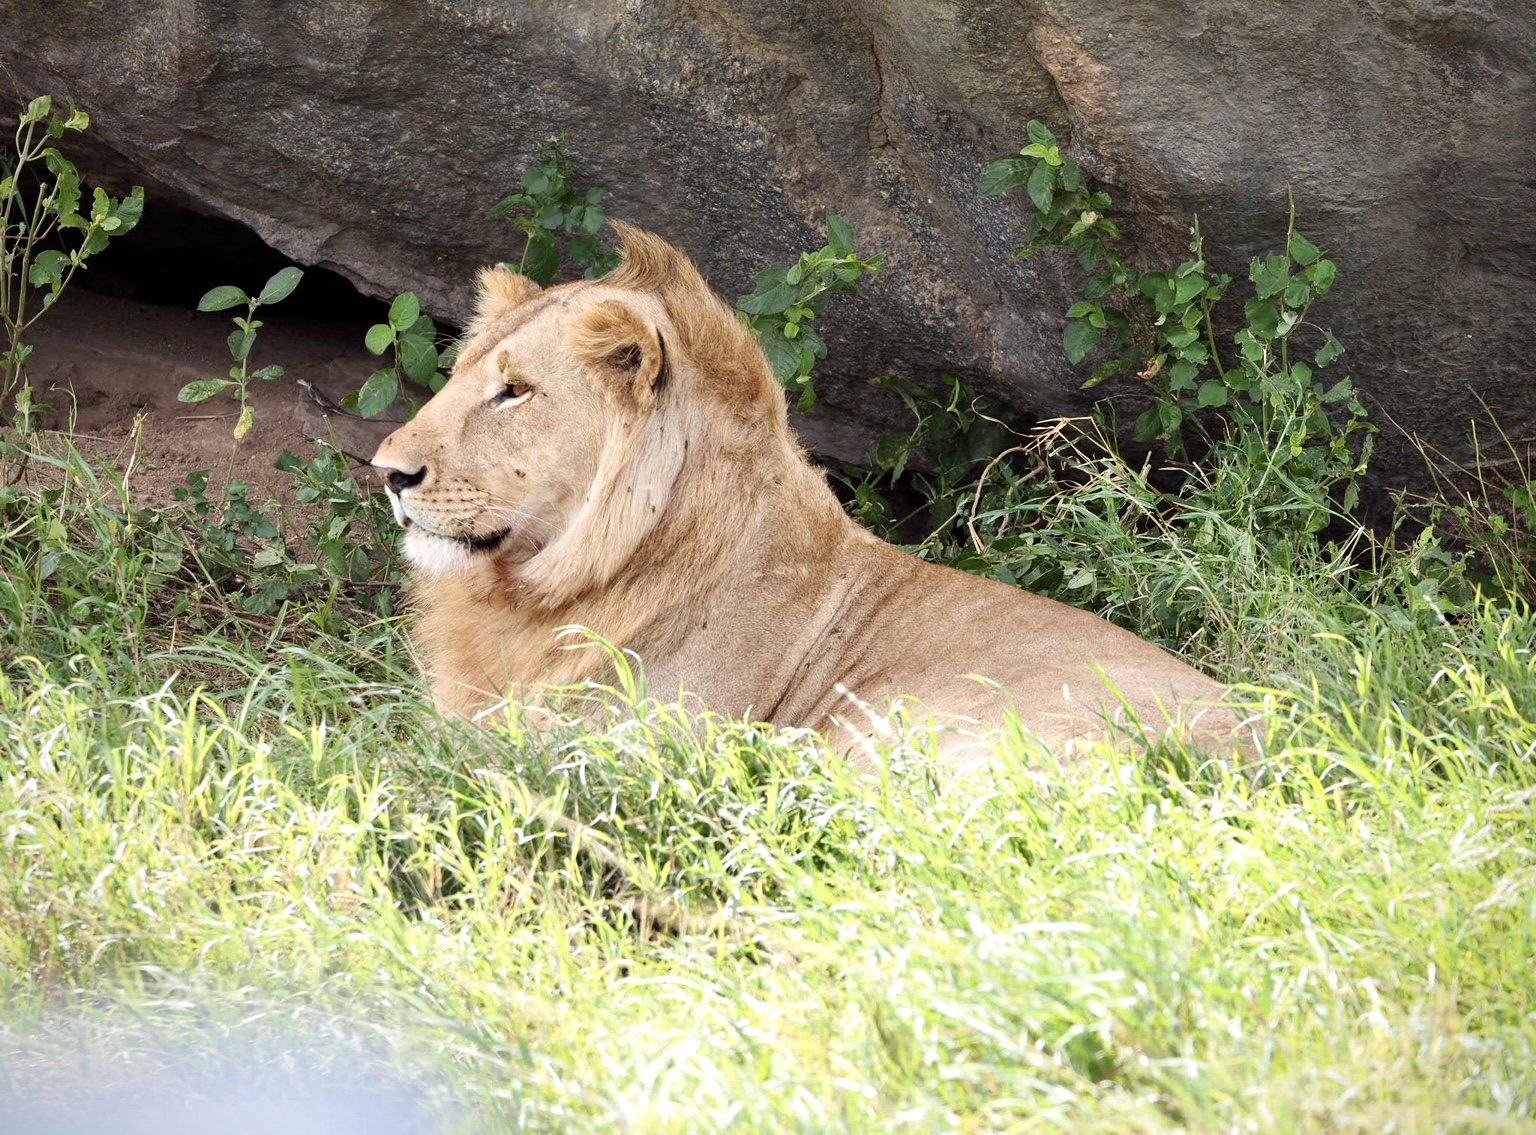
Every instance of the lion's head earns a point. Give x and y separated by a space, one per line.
553 449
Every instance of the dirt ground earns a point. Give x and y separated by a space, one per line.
106 363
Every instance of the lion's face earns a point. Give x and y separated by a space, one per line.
499 464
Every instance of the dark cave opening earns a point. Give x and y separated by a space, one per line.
174 255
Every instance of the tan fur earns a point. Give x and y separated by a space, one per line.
650 489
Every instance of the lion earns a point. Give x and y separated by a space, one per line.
615 454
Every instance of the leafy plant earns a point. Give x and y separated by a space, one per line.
1159 325
559 222
241 342
38 207
347 546
958 437
411 338
783 301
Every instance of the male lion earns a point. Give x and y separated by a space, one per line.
615 453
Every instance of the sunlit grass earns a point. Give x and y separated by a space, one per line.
241 855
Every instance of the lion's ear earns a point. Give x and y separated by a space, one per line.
624 346
502 291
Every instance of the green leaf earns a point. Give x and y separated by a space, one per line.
1263 318
1002 175
1042 186
404 311
220 298
381 389
202 389
769 301
1078 339
542 259
240 344
281 285
268 373
1213 392
1297 293
1270 275
1187 288
1302 250
1321 276
418 357
48 269
1081 308
37 110
535 180
1181 376
1330 350
783 356
379 339
1147 426
66 196
593 219
1039 133
129 210
1339 391
270 556
1104 370
839 236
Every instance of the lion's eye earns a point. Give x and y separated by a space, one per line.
512 392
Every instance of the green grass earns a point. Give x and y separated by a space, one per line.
237 854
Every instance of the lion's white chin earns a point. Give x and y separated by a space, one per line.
435 555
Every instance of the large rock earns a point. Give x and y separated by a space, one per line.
371 136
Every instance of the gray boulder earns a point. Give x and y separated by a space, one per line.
371 136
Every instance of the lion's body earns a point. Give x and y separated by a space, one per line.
662 502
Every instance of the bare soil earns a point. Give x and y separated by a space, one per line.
108 366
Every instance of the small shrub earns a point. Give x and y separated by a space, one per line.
1159 326
45 238
784 301
559 222
411 338
242 340
346 551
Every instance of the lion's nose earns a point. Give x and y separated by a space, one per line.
400 480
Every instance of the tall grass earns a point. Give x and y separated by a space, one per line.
239 856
